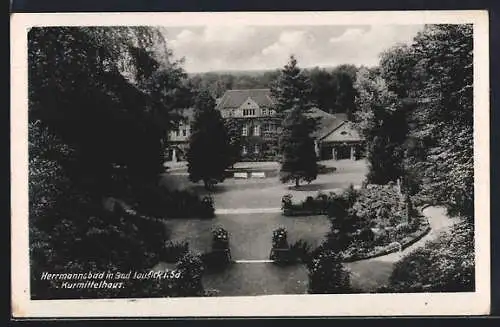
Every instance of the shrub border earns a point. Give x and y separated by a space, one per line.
386 251
403 245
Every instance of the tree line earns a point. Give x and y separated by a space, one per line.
101 100
415 110
332 89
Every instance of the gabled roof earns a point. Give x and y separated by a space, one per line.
327 123
235 98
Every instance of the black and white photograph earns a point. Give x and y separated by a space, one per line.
251 165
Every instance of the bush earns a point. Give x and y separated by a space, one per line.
443 265
381 204
366 235
403 228
191 271
174 251
327 275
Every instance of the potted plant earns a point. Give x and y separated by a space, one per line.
280 248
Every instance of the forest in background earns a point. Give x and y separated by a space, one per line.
332 89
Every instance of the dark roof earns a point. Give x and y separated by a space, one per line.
235 98
327 123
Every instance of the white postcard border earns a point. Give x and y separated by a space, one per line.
271 305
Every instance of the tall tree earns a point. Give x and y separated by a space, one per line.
209 153
297 148
292 88
292 91
233 127
382 120
345 77
86 116
323 89
444 121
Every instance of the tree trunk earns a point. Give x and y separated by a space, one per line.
296 182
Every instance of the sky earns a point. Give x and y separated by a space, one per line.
216 48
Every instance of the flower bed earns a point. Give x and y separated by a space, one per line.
378 251
374 221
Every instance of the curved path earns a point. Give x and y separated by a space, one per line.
371 273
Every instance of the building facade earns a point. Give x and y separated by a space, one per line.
251 114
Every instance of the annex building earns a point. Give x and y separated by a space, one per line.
252 112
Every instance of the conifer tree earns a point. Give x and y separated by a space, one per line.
209 151
292 93
297 149
291 88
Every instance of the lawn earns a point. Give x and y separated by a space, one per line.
267 192
250 234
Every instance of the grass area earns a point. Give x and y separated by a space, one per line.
258 279
267 192
250 234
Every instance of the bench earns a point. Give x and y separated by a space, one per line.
258 175
240 175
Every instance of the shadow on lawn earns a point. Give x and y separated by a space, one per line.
315 187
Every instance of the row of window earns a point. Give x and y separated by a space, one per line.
255 148
256 129
249 112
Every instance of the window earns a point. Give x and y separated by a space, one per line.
267 128
256 130
343 133
244 130
248 112
272 112
184 132
256 149
243 150
264 112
